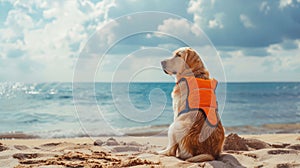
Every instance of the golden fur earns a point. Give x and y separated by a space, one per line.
190 137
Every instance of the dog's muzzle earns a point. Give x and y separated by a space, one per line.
164 65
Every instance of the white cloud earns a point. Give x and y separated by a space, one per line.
52 41
7 34
265 7
246 21
17 22
195 6
49 34
243 68
102 39
284 59
175 26
53 38
258 15
50 13
280 65
27 4
198 5
216 22
298 41
180 28
285 3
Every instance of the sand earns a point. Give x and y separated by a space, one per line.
267 150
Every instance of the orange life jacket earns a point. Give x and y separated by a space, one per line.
201 96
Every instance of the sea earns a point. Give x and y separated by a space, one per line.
59 110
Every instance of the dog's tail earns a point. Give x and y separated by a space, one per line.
201 158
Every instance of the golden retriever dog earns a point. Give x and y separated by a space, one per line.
190 136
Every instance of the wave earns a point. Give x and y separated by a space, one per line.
277 128
152 130
65 97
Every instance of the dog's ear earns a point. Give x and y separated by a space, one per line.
195 64
192 59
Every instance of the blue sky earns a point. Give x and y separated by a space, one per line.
42 41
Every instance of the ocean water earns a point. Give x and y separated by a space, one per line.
95 109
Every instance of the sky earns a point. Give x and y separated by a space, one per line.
125 40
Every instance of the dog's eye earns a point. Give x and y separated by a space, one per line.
178 55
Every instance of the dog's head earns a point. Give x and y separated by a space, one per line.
185 62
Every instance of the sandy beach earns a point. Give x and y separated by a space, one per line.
265 150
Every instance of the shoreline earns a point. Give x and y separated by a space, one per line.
285 128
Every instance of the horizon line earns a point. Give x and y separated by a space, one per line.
143 82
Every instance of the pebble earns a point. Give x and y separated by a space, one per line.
111 142
3 148
126 149
98 142
21 147
133 143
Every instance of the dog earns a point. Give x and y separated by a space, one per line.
191 136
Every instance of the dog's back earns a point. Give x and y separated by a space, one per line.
202 138
199 137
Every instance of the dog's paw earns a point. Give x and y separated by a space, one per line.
161 152
165 152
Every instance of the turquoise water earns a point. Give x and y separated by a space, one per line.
69 110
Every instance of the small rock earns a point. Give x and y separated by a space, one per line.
284 165
51 144
111 142
251 155
22 156
280 145
257 144
98 142
126 149
234 142
3 148
278 152
133 143
296 147
122 143
111 138
21 147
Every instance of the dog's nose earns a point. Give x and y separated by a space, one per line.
163 63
